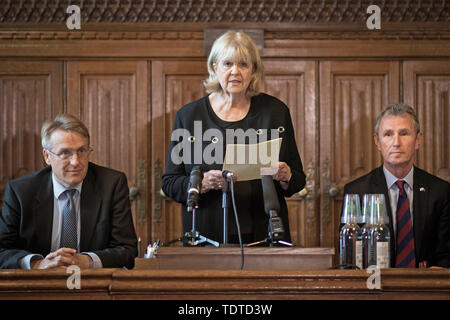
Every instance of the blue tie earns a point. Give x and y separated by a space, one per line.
69 237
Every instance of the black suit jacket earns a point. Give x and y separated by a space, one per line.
26 220
431 213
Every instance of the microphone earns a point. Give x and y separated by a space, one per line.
227 174
271 207
194 188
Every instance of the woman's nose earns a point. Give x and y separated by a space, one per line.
235 69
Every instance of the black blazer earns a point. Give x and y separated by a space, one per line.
431 213
107 229
266 112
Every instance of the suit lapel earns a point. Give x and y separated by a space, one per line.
89 209
43 213
420 201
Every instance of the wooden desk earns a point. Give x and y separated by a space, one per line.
229 258
110 284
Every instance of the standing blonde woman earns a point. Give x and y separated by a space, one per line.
234 102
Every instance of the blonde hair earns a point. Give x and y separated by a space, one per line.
234 44
66 122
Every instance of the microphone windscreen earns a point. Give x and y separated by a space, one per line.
271 202
196 177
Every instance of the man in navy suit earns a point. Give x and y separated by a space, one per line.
398 136
72 212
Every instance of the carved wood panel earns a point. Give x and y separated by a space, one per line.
278 11
352 94
111 98
174 84
295 84
427 90
30 93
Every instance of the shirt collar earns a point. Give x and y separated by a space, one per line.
58 188
391 179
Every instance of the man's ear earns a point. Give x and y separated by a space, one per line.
419 140
46 156
377 142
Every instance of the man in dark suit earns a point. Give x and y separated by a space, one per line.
72 212
426 198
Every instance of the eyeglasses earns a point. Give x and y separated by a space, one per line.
82 153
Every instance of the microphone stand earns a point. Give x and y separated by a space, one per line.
271 239
225 205
194 238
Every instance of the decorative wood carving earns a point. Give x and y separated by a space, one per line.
99 35
141 185
157 197
310 171
436 35
263 11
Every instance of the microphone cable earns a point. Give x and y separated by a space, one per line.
237 223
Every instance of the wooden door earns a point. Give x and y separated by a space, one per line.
30 93
352 93
112 99
427 89
175 84
295 84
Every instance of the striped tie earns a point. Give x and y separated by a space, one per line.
405 238
69 226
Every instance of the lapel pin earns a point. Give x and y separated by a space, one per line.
422 189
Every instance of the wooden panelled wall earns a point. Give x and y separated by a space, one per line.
126 82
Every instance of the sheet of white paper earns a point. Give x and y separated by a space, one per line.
250 161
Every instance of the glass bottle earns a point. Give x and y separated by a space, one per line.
350 244
367 198
378 233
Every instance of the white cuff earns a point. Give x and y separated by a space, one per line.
97 263
25 262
